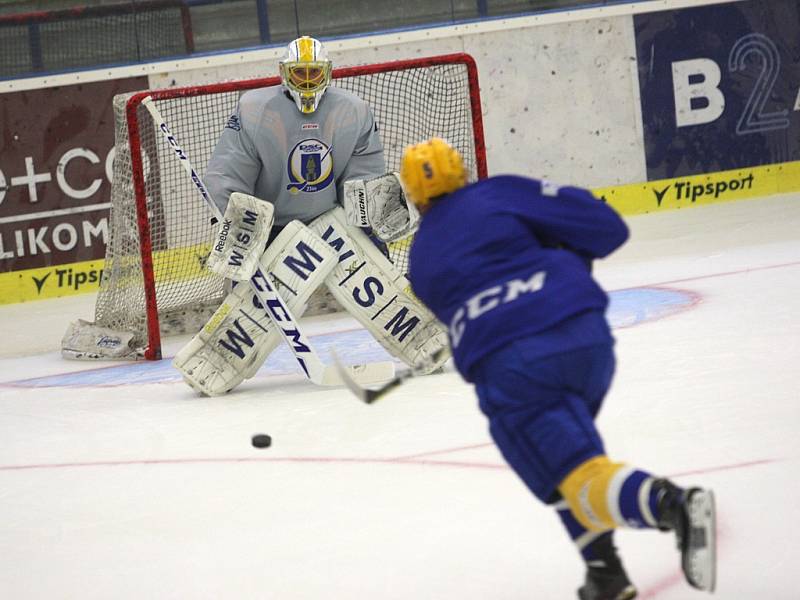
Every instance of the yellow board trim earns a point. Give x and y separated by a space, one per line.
630 199
699 190
50 282
84 277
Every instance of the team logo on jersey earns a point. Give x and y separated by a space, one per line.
310 166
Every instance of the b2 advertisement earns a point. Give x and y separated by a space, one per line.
719 87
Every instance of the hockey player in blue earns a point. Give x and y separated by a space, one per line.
505 263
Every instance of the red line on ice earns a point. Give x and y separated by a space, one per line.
412 460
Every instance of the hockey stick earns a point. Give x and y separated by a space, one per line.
371 395
272 302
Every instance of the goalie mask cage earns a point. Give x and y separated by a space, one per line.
155 282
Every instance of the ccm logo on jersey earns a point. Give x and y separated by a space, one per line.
491 298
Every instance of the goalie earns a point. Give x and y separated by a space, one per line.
300 168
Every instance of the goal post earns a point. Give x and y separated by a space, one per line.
155 282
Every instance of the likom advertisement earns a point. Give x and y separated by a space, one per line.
56 157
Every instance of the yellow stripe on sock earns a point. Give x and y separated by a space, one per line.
586 491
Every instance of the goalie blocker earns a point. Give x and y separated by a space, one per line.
238 338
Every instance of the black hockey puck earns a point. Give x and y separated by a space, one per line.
261 440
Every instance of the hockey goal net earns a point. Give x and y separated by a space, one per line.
154 281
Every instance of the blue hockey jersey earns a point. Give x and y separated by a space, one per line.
509 257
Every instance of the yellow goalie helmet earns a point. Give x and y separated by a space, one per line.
305 72
430 169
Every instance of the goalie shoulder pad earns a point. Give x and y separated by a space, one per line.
380 204
242 236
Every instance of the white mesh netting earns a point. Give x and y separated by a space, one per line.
412 103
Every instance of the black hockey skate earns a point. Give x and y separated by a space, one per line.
607 583
692 516
606 578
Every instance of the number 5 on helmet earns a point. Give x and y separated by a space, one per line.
431 169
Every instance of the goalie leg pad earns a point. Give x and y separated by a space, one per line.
240 335
373 291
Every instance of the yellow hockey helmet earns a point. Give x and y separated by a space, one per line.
305 72
430 169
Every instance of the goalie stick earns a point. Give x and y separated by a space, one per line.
368 395
271 300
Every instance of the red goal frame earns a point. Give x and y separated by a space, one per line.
153 348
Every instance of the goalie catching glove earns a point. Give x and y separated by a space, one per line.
381 205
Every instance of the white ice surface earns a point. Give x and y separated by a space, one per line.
113 488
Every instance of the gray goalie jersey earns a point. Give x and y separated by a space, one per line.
296 161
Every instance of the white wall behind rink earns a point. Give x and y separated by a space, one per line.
560 100
559 91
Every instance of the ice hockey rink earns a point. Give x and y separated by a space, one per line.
116 481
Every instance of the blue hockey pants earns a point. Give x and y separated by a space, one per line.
541 410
